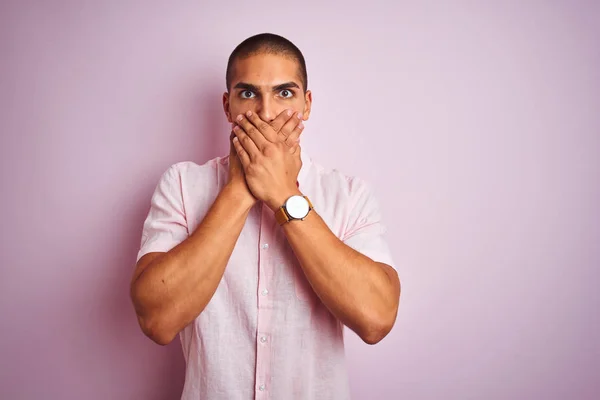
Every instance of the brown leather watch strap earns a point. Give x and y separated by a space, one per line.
310 206
281 216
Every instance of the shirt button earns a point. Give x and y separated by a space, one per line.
261 388
263 339
265 292
265 246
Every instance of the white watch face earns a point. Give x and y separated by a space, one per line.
297 207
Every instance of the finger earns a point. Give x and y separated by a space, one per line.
257 137
281 119
232 135
241 153
294 137
263 127
232 150
290 126
246 142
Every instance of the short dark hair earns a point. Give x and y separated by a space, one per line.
266 43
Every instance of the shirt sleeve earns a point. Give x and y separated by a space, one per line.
165 226
366 232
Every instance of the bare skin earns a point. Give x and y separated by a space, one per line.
169 290
360 292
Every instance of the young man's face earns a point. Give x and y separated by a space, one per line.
267 85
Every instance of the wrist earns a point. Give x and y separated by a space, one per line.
279 200
239 194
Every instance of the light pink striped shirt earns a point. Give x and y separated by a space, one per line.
264 334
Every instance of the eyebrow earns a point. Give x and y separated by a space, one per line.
287 85
246 86
254 88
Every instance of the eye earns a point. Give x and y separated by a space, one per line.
286 94
247 94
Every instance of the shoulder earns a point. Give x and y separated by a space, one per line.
190 168
189 172
340 184
344 201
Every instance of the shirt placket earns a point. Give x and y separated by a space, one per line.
265 305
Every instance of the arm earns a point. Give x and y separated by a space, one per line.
169 290
361 293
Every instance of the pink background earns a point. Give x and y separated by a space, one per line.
478 125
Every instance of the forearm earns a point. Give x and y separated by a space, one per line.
361 293
176 286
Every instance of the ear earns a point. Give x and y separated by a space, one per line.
226 107
307 105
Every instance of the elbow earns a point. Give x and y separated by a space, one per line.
378 324
153 324
375 333
162 339
155 329
378 327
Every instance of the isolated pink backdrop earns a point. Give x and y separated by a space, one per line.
478 125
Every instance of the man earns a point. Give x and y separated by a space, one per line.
257 260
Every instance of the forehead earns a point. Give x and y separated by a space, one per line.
266 70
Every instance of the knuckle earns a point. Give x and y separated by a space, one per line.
263 126
270 150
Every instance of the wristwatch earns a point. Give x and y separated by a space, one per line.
295 207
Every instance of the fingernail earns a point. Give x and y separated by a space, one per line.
288 113
236 128
301 125
240 117
299 115
235 139
249 113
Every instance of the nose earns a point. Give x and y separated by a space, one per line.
266 109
